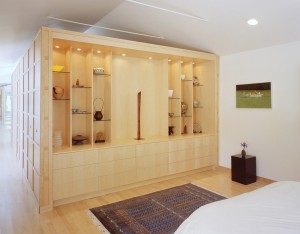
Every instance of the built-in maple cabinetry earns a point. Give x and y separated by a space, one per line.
71 172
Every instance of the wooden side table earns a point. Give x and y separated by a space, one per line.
243 170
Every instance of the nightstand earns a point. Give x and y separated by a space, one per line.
243 170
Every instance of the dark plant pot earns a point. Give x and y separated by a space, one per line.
98 115
243 153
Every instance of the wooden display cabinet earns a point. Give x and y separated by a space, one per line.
68 173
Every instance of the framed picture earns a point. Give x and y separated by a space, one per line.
257 95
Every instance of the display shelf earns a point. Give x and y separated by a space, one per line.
61 72
102 75
85 113
174 98
61 99
198 107
102 120
177 116
81 87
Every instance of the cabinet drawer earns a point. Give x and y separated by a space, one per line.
80 187
116 153
73 174
152 148
118 166
111 181
75 159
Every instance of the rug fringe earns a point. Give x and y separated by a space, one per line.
97 222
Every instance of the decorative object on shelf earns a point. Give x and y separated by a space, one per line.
98 71
182 76
197 128
98 113
78 140
171 114
77 82
100 137
185 129
170 92
195 80
171 130
244 145
139 100
184 108
58 92
57 139
196 103
57 68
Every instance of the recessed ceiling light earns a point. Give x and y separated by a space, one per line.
57 47
252 22
98 51
78 49
123 55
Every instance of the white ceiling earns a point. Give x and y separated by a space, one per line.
225 32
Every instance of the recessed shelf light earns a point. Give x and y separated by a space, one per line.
57 46
169 60
79 49
193 63
181 62
150 58
123 55
252 22
98 52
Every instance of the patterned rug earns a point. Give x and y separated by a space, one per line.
158 212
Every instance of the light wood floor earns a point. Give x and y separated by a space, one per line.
18 213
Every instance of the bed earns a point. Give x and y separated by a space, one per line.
272 209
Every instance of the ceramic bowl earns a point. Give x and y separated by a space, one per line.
171 114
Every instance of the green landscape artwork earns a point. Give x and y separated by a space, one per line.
256 95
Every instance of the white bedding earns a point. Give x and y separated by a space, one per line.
272 209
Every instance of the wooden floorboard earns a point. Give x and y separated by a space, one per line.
18 213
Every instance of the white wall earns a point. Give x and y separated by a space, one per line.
273 135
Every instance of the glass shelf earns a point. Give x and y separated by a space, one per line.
103 75
174 117
64 72
102 120
197 107
175 98
82 113
186 80
186 116
61 99
199 85
81 87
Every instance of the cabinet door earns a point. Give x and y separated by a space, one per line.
37 132
37 102
30 126
37 76
36 158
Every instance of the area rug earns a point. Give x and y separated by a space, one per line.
158 212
